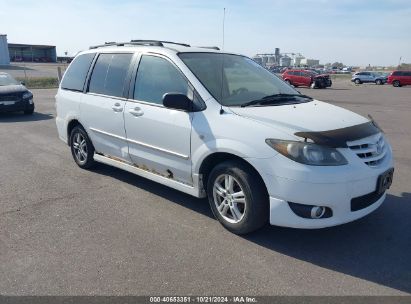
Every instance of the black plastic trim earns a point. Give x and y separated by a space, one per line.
338 138
361 202
304 211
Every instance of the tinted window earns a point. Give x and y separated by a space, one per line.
109 74
75 76
407 73
155 77
397 73
6 79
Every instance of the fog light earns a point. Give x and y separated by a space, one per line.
317 212
30 101
311 211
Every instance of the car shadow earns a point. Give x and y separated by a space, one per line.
20 117
376 248
198 205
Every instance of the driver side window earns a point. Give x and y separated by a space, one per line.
157 76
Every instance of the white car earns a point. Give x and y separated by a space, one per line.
217 124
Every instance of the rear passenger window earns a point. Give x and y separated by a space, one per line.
157 76
76 74
109 74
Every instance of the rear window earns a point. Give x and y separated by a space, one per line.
109 74
76 74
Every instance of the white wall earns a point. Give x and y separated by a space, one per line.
4 50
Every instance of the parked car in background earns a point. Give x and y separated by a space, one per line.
306 78
14 96
368 77
399 78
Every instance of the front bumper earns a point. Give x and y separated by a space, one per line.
19 105
332 187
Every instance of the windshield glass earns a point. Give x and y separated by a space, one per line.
6 79
234 80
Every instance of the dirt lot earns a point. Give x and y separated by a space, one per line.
67 231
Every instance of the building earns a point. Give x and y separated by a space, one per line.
4 51
25 52
32 52
309 62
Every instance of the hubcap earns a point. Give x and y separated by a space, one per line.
229 198
80 147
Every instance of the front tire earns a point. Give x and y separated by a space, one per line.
81 148
396 83
357 81
28 112
238 197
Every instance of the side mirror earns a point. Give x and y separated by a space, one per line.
177 101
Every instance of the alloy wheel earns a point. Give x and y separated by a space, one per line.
80 147
229 198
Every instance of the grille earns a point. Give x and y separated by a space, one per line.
371 150
9 97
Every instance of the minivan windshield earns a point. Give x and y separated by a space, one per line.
6 79
235 80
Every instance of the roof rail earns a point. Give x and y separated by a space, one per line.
138 42
161 42
133 42
210 47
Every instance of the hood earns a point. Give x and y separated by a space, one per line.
311 116
18 88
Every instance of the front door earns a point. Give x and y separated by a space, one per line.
158 137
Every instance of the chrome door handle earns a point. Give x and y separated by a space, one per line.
136 111
117 107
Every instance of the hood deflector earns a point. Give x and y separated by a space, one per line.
338 138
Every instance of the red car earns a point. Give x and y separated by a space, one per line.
306 78
399 78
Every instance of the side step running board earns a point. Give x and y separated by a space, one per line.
149 175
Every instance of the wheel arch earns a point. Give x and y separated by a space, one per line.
213 159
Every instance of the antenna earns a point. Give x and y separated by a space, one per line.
223 27
222 68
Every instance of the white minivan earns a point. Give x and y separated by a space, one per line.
217 124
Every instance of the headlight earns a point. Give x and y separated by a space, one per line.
27 95
308 153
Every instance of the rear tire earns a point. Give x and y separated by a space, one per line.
81 148
396 83
378 82
238 197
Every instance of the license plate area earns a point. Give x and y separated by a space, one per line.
384 181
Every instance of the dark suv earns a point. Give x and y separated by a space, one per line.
399 78
14 96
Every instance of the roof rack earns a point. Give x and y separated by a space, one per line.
210 47
139 42
160 42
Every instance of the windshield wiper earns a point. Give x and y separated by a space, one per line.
275 98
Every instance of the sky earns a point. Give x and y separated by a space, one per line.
355 32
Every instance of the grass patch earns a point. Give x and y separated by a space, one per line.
40 82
